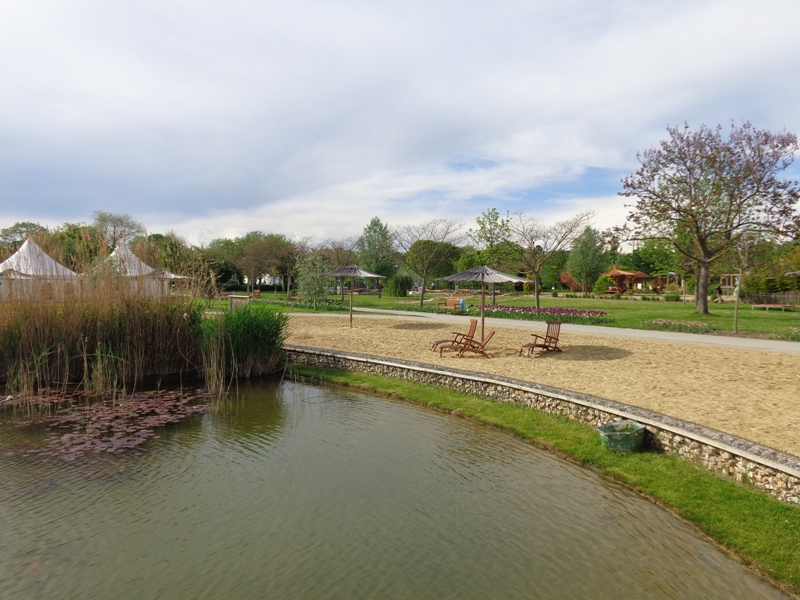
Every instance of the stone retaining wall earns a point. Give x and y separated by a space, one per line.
773 471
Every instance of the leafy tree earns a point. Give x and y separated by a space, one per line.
602 284
652 257
551 272
399 284
429 248
491 238
586 260
311 279
255 257
113 227
18 233
171 252
74 245
468 259
703 192
535 244
287 255
376 251
220 255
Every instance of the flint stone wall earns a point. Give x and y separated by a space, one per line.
768 469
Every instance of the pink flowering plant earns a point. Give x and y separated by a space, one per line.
530 313
684 326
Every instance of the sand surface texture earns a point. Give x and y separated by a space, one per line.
754 394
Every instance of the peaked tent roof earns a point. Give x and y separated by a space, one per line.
30 259
127 263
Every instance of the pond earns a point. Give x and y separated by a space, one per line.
296 491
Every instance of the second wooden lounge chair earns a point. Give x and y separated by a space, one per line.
469 346
548 343
458 337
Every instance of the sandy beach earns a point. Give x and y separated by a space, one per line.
754 394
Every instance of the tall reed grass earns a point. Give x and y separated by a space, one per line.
109 333
101 345
245 342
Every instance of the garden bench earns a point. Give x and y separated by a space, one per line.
768 306
451 303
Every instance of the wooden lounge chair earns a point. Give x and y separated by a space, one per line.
469 346
548 343
458 337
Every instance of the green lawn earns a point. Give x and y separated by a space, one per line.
626 313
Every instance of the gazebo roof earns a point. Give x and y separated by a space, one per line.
616 272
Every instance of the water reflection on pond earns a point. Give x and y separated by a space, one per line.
295 491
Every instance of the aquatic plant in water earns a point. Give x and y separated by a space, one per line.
113 427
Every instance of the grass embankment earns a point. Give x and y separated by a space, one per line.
762 531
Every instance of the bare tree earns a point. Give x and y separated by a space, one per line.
340 253
535 243
113 227
428 246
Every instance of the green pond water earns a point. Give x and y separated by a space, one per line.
295 491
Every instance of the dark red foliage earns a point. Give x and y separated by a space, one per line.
114 427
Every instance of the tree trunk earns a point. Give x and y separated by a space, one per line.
422 293
536 289
494 298
736 305
701 288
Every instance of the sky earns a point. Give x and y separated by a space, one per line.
210 119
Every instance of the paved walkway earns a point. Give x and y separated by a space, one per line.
643 334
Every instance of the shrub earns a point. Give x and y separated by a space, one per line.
602 284
672 297
243 343
398 285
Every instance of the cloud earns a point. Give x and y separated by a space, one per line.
310 118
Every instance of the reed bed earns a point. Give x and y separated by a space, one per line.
108 334
103 346
246 342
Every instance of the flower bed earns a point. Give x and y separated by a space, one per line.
530 313
684 326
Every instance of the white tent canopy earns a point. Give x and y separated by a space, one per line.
127 263
30 259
